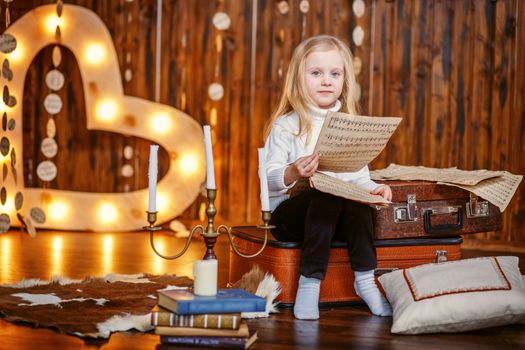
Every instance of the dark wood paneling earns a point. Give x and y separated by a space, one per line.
451 69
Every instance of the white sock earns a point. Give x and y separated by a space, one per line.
306 305
365 287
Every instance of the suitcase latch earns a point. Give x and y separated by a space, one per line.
406 213
441 256
475 208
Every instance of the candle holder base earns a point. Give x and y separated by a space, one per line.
152 228
266 227
210 233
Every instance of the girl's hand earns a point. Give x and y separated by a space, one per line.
384 191
302 167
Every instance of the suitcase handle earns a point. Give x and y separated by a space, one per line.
443 228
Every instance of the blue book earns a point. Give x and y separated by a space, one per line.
227 300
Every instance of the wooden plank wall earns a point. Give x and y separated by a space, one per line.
452 69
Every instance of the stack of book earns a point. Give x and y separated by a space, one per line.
184 319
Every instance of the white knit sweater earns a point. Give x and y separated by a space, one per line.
283 148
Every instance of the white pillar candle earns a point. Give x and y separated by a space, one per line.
152 177
210 173
265 201
205 277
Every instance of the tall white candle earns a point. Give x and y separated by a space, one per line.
265 201
210 173
152 177
205 277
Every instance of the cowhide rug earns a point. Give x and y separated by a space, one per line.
96 307
93 307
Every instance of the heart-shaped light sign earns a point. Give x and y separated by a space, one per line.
108 109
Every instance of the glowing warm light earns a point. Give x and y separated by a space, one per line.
56 255
162 202
3 106
52 21
5 159
5 255
160 123
17 55
188 164
107 213
58 210
9 206
107 254
106 110
95 53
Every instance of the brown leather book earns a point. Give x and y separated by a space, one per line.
165 318
189 331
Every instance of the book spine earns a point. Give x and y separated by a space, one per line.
218 342
170 319
218 307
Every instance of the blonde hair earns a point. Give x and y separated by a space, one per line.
295 96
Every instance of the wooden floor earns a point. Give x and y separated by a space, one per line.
78 254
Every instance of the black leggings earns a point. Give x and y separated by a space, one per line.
316 219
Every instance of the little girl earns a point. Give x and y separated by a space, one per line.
320 78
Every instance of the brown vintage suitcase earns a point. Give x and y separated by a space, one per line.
425 209
282 260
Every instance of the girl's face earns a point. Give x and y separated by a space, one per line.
324 77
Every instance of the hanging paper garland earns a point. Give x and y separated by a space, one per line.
7 45
304 7
47 170
127 170
358 36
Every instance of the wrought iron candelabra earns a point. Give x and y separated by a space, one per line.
209 233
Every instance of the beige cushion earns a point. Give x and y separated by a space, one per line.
456 296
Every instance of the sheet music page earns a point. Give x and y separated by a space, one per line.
498 191
329 184
347 142
448 175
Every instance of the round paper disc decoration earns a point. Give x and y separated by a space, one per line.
51 129
38 215
128 74
7 43
46 170
221 21
358 6
127 170
11 102
57 56
358 35
3 195
49 147
283 7
5 95
215 91
19 200
53 104
26 221
13 158
11 124
5 222
55 79
6 70
4 146
304 6
128 152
